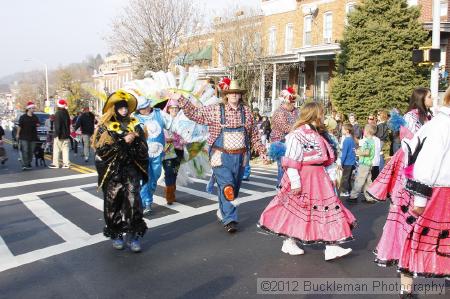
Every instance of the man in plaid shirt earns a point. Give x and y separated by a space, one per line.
282 121
231 135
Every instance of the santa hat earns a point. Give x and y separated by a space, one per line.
30 105
61 103
224 83
288 93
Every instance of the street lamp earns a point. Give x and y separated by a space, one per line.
47 99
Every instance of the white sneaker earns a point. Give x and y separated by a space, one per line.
290 247
66 166
345 194
334 251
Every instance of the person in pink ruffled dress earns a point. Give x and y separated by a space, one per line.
307 208
390 184
426 250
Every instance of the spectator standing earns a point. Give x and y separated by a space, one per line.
3 156
382 133
347 159
86 122
357 131
265 130
366 154
27 135
61 136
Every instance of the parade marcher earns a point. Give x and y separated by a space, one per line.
86 122
121 161
61 138
390 184
153 121
394 131
282 120
426 251
27 135
173 155
307 209
231 133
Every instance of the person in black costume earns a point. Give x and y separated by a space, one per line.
121 162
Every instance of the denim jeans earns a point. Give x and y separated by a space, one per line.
230 173
27 149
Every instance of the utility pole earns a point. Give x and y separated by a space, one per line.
436 44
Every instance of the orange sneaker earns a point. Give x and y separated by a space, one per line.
228 191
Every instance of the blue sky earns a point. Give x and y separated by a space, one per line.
59 32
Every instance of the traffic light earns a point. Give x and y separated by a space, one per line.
426 55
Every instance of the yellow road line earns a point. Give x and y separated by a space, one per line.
73 166
76 167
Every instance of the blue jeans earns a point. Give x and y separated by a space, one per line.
230 173
247 169
27 149
280 172
154 172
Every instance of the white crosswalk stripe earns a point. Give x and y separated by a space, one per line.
60 225
74 237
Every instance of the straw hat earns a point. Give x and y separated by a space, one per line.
121 95
234 88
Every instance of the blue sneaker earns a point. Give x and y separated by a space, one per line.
118 243
136 245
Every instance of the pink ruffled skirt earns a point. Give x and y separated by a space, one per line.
314 216
426 251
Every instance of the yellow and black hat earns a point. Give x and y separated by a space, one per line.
121 95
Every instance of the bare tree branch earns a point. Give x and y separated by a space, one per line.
151 30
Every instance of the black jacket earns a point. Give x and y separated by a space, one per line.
265 127
86 122
62 124
382 131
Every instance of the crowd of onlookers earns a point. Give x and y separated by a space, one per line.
64 133
364 146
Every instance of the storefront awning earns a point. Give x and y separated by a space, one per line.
188 58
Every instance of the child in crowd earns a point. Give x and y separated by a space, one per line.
366 154
348 159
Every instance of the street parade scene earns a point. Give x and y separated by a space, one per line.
233 149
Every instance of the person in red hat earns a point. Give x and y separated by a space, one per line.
27 135
61 135
232 134
282 121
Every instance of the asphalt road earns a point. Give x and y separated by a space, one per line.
51 245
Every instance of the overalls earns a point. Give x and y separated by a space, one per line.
227 157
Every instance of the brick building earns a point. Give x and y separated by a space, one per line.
295 43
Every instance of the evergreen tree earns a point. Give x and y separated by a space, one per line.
374 69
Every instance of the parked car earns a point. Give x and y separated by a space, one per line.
42 130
